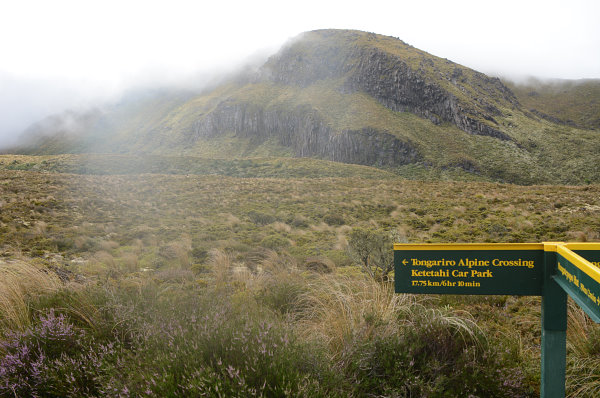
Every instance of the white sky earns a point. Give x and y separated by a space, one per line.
65 53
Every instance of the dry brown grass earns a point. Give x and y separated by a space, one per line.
129 261
582 379
105 258
108 245
19 281
341 241
230 219
582 347
39 228
338 307
281 227
221 265
322 227
174 275
581 329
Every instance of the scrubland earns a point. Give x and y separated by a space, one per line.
200 284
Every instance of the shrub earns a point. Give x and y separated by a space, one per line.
334 219
437 353
300 221
261 218
199 254
219 352
275 242
373 251
53 359
319 264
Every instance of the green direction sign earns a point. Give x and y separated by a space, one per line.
546 269
589 251
578 274
514 269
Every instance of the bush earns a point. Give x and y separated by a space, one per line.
275 242
299 221
334 219
437 354
223 353
261 218
373 251
53 359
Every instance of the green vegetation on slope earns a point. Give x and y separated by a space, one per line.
108 164
542 152
570 101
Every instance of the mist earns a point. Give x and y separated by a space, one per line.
26 101
72 55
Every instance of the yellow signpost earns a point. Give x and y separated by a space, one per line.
550 270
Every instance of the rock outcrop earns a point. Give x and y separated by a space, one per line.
303 130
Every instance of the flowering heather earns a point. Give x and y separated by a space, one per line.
223 353
53 359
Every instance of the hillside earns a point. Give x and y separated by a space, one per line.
571 102
345 96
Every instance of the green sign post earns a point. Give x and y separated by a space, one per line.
550 270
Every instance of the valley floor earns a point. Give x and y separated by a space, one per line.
176 284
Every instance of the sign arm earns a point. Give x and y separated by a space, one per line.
589 310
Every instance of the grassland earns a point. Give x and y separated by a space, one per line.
571 101
136 283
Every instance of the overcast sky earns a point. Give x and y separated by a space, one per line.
69 53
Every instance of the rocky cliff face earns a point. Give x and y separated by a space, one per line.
303 130
398 87
388 78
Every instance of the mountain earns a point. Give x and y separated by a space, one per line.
571 102
347 96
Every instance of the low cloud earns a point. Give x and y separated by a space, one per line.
25 101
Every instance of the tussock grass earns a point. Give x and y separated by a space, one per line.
582 377
221 265
583 332
338 308
19 281
459 321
